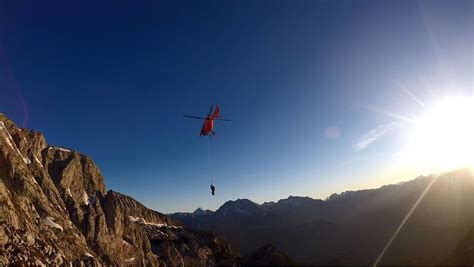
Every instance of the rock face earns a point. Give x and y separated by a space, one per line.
55 210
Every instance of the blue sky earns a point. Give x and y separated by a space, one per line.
112 80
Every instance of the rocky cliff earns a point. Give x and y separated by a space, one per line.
55 210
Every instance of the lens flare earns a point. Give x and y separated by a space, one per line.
444 137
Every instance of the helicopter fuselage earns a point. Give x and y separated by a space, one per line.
207 126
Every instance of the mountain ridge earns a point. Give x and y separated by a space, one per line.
296 198
352 227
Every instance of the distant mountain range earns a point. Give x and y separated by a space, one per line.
353 227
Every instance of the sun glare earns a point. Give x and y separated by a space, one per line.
444 137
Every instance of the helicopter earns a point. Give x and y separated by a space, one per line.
207 128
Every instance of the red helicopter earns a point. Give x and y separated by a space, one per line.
208 124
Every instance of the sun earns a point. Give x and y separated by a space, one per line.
444 137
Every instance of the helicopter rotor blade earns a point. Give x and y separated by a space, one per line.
210 110
194 117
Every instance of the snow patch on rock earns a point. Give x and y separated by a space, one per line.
159 225
85 198
87 254
37 160
50 222
34 180
8 138
129 260
26 160
59 148
133 219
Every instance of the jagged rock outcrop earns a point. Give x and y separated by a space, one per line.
55 210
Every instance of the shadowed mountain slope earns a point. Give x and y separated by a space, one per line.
353 227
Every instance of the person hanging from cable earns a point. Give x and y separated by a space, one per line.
213 189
